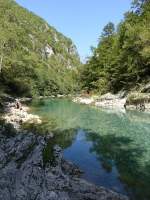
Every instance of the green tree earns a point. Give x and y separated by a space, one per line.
108 30
121 59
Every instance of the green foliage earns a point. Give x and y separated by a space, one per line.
108 30
122 57
26 66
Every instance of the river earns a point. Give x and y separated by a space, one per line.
112 148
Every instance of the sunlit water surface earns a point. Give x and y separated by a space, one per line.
111 147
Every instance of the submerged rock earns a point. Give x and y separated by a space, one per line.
25 176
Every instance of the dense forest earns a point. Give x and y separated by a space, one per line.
121 61
35 59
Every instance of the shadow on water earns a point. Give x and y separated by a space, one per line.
63 138
120 151
111 151
112 148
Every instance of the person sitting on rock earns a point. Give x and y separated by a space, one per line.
18 105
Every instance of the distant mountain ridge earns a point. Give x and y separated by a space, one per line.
35 59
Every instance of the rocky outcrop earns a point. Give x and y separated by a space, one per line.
139 101
121 101
83 100
27 172
111 101
17 114
48 51
105 101
72 50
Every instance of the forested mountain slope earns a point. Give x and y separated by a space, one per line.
121 61
35 59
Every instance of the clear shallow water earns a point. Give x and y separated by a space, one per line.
112 148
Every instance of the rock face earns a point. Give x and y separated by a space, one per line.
48 51
25 173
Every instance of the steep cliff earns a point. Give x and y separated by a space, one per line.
35 59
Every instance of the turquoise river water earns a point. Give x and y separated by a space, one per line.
111 147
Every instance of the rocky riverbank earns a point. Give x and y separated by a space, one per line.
16 114
120 101
33 168
105 101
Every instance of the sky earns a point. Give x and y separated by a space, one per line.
80 20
